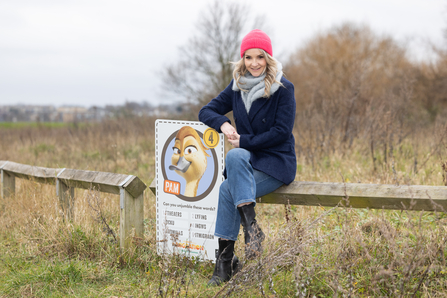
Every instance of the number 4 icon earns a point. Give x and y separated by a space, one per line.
211 137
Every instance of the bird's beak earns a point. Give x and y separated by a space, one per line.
182 165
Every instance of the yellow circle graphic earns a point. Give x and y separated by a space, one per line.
211 138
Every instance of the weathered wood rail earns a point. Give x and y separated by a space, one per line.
360 195
130 189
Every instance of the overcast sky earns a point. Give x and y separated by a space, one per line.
100 52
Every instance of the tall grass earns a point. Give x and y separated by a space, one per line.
308 251
366 113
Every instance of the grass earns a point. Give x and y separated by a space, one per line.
309 251
6 125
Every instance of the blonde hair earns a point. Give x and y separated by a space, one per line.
270 72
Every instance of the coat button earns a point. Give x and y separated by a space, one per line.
263 120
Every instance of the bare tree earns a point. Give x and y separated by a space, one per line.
204 69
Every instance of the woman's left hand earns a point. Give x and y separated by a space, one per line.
234 140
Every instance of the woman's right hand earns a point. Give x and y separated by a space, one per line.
228 130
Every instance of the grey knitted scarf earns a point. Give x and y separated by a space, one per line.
255 87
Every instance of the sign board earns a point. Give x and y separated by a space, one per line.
189 166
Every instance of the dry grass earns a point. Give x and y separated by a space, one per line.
309 250
365 114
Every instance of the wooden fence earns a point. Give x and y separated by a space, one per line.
130 189
357 195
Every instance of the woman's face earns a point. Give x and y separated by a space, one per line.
255 62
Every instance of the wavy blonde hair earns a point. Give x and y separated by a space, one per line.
270 72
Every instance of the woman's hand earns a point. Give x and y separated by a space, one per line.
235 140
228 130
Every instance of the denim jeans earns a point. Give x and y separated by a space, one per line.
243 185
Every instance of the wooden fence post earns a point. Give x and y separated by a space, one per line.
139 216
130 189
66 198
131 217
8 186
126 206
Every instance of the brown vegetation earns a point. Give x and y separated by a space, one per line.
351 84
308 251
366 113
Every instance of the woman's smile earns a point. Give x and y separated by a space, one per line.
255 62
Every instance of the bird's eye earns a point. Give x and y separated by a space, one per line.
190 149
176 150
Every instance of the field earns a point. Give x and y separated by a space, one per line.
309 251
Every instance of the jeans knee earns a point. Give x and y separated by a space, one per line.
224 190
237 155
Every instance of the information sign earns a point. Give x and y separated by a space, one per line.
189 166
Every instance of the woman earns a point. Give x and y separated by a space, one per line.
263 106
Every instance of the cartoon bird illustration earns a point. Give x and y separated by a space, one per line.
189 159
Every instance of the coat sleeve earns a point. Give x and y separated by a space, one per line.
282 128
213 114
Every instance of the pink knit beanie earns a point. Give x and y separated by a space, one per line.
256 39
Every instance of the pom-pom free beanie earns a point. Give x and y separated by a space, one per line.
256 39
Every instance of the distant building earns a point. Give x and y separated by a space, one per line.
35 113
72 113
28 113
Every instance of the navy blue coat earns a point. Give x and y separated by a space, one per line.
266 131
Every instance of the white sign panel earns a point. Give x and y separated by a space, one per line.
189 166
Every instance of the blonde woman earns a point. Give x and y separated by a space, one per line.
263 158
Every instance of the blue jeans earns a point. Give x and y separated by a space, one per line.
243 185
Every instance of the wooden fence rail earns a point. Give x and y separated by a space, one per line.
360 195
130 189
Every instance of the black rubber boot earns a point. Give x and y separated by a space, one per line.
227 264
252 232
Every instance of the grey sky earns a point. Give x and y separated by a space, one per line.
100 52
